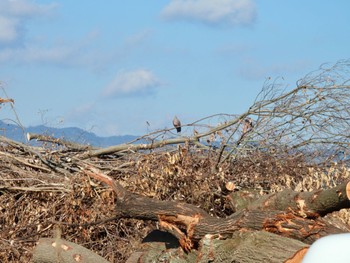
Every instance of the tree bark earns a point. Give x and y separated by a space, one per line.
53 250
68 144
243 246
190 223
306 204
136 147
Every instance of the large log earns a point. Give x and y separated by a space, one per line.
243 246
53 250
305 204
190 223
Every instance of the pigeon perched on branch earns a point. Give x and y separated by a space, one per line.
177 124
247 126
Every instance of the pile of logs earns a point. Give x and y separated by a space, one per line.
277 227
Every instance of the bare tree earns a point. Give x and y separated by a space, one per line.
311 118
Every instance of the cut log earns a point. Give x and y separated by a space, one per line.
243 199
2 100
306 204
52 250
68 144
190 223
246 246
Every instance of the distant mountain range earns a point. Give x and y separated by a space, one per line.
72 134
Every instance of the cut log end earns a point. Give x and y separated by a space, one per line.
2 100
230 186
298 256
347 189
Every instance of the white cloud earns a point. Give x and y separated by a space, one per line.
15 13
24 8
9 29
254 70
82 114
230 12
127 83
235 49
80 110
138 38
83 51
59 55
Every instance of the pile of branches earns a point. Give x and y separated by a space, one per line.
286 140
42 189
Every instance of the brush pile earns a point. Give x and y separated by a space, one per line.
43 187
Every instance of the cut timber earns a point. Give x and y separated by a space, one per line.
243 246
134 147
190 223
68 144
52 250
250 246
230 186
2 100
227 188
298 256
243 199
306 204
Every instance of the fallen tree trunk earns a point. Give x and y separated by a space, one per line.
68 144
305 204
190 224
136 147
243 246
53 250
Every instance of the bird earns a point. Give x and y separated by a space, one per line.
177 124
248 125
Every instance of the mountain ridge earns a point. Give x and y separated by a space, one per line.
73 134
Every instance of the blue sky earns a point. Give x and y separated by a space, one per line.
110 66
